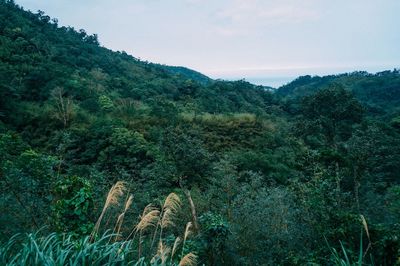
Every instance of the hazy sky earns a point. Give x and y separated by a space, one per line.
243 38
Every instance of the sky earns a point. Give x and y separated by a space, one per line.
264 41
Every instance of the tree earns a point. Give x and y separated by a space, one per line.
64 106
188 154
332 112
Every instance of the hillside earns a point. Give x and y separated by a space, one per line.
189 73
380 92
236 174
38 56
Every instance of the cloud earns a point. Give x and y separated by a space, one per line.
270 11
193 1
242 16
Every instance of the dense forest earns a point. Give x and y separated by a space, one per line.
109 160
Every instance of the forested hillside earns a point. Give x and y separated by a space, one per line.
236 174
380 92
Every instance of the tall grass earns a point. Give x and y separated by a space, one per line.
108 248
56 249
342 258
113 197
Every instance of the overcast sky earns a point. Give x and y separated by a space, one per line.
242 38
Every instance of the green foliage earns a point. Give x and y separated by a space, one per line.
264 221
272 173
65 250
124 149
395 122
331 112
215 231
105 103
26 177
73 202
378 92
187 152
393 198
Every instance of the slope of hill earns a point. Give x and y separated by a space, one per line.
380 92
38 56
189 73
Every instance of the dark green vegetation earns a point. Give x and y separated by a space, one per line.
279 177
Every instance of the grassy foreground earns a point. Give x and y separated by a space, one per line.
137 247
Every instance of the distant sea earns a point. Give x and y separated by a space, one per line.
274 82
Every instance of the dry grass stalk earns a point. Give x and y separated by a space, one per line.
172 202
163 252
150 215
116 191
171 206
191 203
120 220
113 196
364 222
167 219
128 203
149 218
188 231
190 259
175 247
